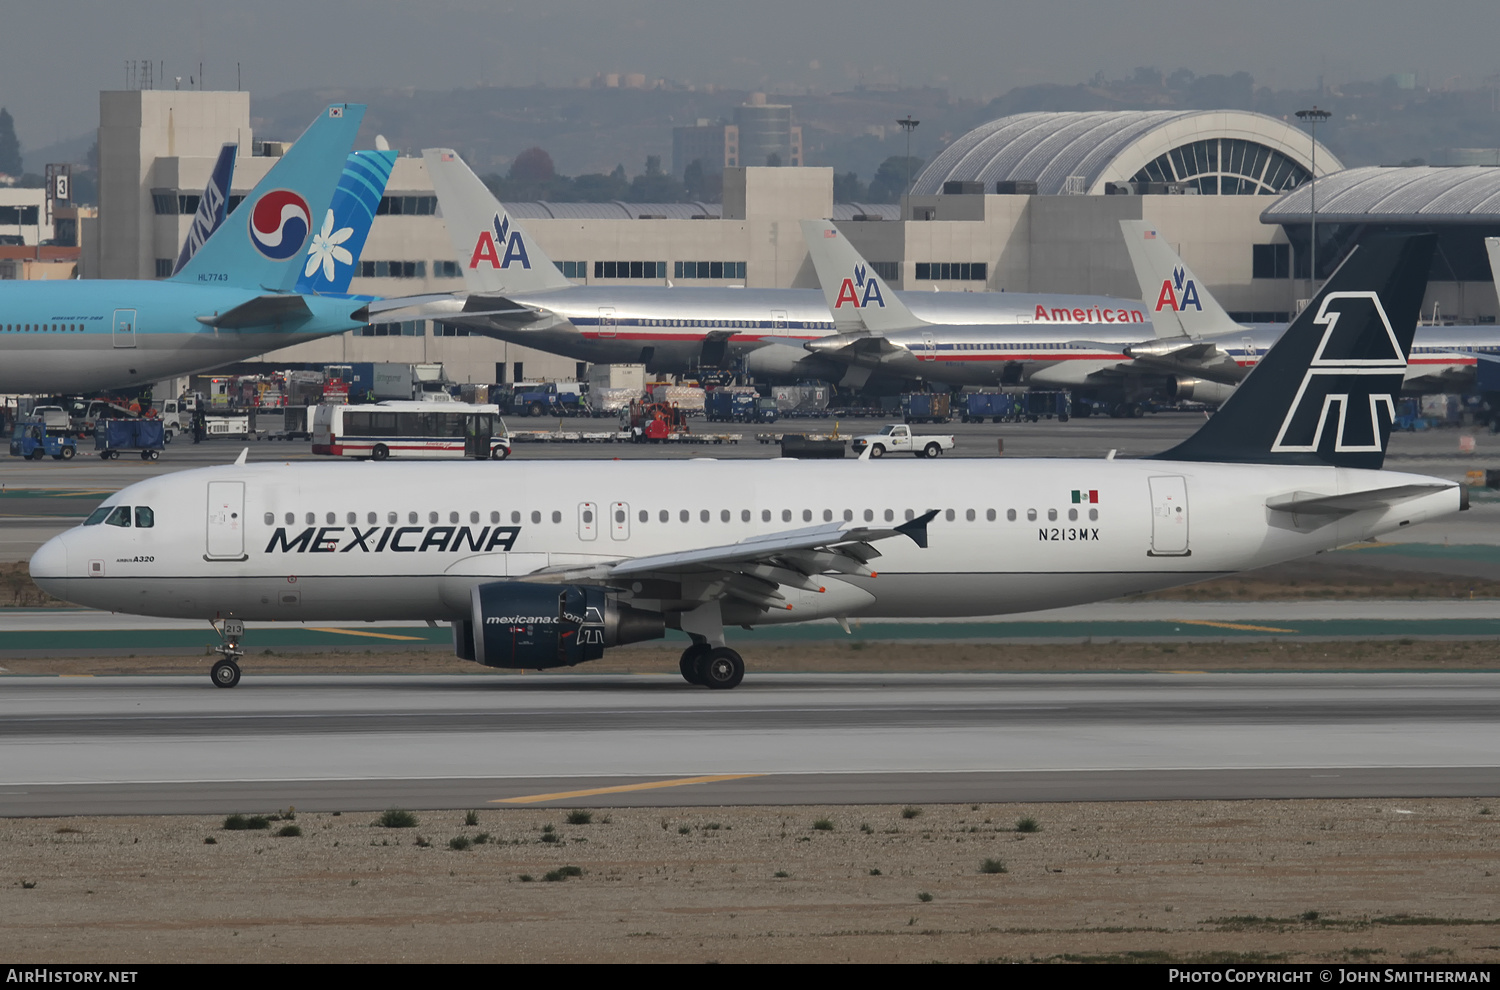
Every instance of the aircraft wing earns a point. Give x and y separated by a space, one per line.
472 310
1187 355
753 569
262 311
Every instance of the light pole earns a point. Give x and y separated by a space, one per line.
1314 117
908 125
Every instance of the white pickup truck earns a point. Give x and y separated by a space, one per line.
898 437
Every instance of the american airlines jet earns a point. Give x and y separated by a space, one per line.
517 294
237 295
549 563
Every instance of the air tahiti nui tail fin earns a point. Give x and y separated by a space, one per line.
264 242
1326 392
496 255
338 240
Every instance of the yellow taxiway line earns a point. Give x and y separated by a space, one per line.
360 632
623 788
1232 625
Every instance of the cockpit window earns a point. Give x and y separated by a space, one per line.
97 516
144 517
119 517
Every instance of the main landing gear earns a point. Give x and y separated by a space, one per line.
716 667
226 670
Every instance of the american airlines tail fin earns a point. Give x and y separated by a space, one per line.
858 298
495 253
263 243
1492 245
1326 392
212 208
333 257
1178 302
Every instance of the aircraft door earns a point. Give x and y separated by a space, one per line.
1250 356
606 321
226 520
1169 517
929 348
588 520
779 322
619 520
124 335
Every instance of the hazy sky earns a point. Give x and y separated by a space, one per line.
56 56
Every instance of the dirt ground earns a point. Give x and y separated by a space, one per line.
1294 881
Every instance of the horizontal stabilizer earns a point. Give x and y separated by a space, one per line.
262 312
856 348
1313 503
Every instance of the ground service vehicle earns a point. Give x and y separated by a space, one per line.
411 429
31 439
898 438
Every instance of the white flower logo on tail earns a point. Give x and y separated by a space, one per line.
326 249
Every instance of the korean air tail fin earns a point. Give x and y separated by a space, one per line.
263 243
496 255
1326 392
212 208
859 299
1178 302
333 257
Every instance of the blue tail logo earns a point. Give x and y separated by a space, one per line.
340 239
211 208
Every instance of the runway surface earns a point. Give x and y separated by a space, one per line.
177 745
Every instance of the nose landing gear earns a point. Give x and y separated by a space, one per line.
225 672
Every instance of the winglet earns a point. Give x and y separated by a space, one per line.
240 460
917 528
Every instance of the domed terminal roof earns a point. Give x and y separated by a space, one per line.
1391 194
1216 152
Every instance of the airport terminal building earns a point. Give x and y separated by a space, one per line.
1027 203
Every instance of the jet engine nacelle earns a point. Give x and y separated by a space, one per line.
535 626
1198 390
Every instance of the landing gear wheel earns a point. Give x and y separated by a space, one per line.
381 452
225 674
721 669
691 658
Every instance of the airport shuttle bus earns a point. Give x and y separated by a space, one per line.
411 429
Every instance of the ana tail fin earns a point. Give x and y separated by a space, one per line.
1326 392
212 208
264 241
1492 245
1177 301
858 298
333 257
496 255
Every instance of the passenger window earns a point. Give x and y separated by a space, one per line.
683 515
351 518
473 517
786 515
144 517
1072 515
744 515
948 515
411 518
556 516
910 515
703 515
644 516
432 518
848 515
291 518
1094 514
536 517
828 515
869 515
453 517
723 515
970 515
1052 515
97 516
494 517
807 515
765 515
311 518
890 515
331 517
390 517
270 519
664 516
119 517
588 516
515 517
371 518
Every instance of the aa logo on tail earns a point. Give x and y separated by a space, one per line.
1178 293
849 291
488 248
1358 368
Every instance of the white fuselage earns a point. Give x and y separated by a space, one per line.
356 541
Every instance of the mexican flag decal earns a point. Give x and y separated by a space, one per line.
1085 496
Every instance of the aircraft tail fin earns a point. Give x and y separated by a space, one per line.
333 257
858 298
264 241
1178 302
496 255
212 208
1492 245
1326 392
